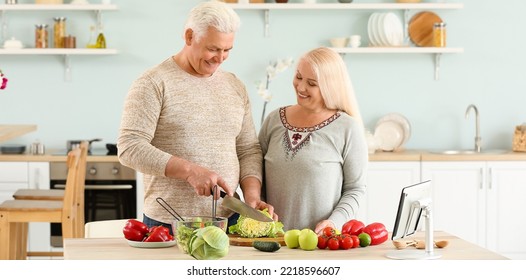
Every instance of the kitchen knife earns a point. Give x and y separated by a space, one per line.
242 208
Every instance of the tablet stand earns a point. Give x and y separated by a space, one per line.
417 254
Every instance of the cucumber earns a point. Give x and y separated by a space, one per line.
266 246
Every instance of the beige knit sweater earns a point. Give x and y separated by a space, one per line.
207 121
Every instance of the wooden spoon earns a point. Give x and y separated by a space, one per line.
421 244
402 244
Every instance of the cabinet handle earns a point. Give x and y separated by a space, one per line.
481 185
489 178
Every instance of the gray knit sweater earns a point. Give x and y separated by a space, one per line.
315 173
207 121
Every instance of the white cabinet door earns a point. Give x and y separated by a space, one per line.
458 198
13 176
506 219
38 175
39 233
385 180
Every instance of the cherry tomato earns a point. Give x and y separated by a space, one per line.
329 231
355 241
346 243
333 243
322 242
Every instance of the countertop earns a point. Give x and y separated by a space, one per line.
118 249
406 155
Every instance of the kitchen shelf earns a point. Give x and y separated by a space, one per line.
57 7
413 50
96 8
53 51
405 7
345 6
266 7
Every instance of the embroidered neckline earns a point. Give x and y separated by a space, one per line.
296 138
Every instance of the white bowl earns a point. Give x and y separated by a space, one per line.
340 42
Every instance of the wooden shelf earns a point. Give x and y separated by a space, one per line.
8 132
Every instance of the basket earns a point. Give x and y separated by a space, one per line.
519 139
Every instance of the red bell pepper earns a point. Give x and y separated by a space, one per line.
377 232
353 227
135 230
159 234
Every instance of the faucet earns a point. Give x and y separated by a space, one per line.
478 139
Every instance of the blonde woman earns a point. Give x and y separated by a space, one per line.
315 153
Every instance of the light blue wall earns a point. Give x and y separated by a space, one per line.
490 73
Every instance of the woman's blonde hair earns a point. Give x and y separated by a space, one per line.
212 14
334 81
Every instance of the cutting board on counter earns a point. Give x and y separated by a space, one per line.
237 240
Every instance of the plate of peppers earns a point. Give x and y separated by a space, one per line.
141 236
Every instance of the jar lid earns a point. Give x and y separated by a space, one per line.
440 24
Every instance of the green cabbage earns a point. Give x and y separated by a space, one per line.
247 227
208 243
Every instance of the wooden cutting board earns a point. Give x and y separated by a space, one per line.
237 240
421 28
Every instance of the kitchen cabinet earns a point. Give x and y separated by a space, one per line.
66 53
20 175
407 8
479 201
385 180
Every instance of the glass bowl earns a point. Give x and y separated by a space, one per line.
183 229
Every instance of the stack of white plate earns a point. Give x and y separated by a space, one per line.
392 131
385 30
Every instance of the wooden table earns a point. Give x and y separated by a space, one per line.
118 249
8 132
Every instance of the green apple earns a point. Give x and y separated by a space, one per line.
291 238
308 239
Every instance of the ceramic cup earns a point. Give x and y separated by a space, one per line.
355 41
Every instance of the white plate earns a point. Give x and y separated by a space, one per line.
393 30
370 29
402 121
390 134
377 28
380 29
140 244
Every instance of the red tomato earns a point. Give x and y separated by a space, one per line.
355 241
333 243
346 243
322 242
329 231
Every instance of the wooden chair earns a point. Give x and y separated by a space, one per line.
104 229
16 214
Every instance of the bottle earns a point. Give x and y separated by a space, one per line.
92 43
59 32
41 36
101 40
439 34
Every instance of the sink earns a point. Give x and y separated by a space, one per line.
469 152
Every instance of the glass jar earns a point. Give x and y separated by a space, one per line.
439 34
59 32
41 36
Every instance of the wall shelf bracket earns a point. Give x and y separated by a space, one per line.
267 22
67 68
437 65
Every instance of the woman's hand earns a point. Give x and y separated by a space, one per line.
323 224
